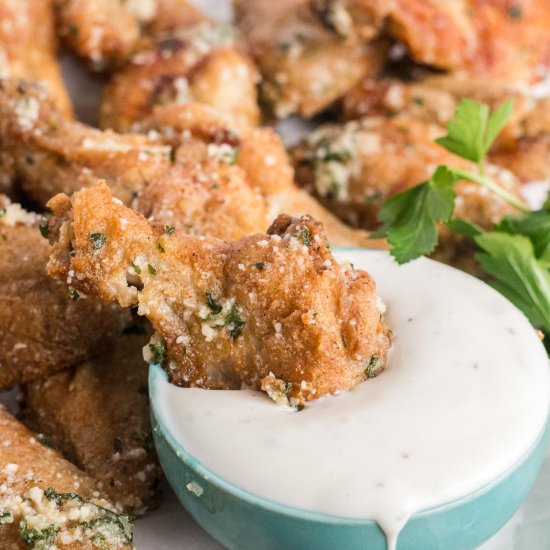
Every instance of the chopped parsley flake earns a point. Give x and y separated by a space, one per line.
73 294
137 269
44 228
169 229
515 12
215 308
31 537
234 323
303 235
158 351
260 266
372 366
161 248
151 269
97 240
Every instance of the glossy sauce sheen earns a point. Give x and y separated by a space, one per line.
464 397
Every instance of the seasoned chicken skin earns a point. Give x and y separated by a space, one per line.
305 64
203 63
97 416
273 311
492 38
49 154
46 501
28 47
258 152
524 144
355 167
44 329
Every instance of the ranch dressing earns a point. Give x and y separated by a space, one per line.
463 398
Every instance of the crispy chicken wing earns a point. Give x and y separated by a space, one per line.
497 38
273 311
46 502
28 47
203 63
259 152
305 64
43 328
48 154
355 167
524 144
97 415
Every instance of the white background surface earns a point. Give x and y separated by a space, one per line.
170 527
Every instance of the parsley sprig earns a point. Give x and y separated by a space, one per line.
515 253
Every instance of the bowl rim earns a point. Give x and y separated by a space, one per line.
156 372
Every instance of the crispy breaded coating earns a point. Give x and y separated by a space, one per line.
172 15
305 64
495 38
97 416
272 311
355 167
205 193
46 502
43 328
203 63
102 31
48 154
524 144
258 152
28 47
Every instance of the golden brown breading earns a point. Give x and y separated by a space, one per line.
97 416
49 154
524 144
205 193
271 310
355 167
495 38
43 330
171 15
28 47
45 500
203 63
305 65
102 31
259 153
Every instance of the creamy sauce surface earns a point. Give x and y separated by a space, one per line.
465 395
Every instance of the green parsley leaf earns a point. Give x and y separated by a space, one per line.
169 229
158 351
97 240
464 227
260 266
473 129
151 269
518 275
137 269
536 226
409 218
73 294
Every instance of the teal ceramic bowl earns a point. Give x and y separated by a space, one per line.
239 520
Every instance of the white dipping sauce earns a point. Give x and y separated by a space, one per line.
464 396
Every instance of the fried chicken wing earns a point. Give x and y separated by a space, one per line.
28 47
258 152
97 415
48 154
305 64
43 328
205 193
46 502
271 310
496 38
355 167
203 63
524 144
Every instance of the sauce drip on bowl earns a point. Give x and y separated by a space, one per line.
465 395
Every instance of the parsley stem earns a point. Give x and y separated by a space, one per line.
492 186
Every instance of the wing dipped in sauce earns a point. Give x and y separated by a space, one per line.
272 311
